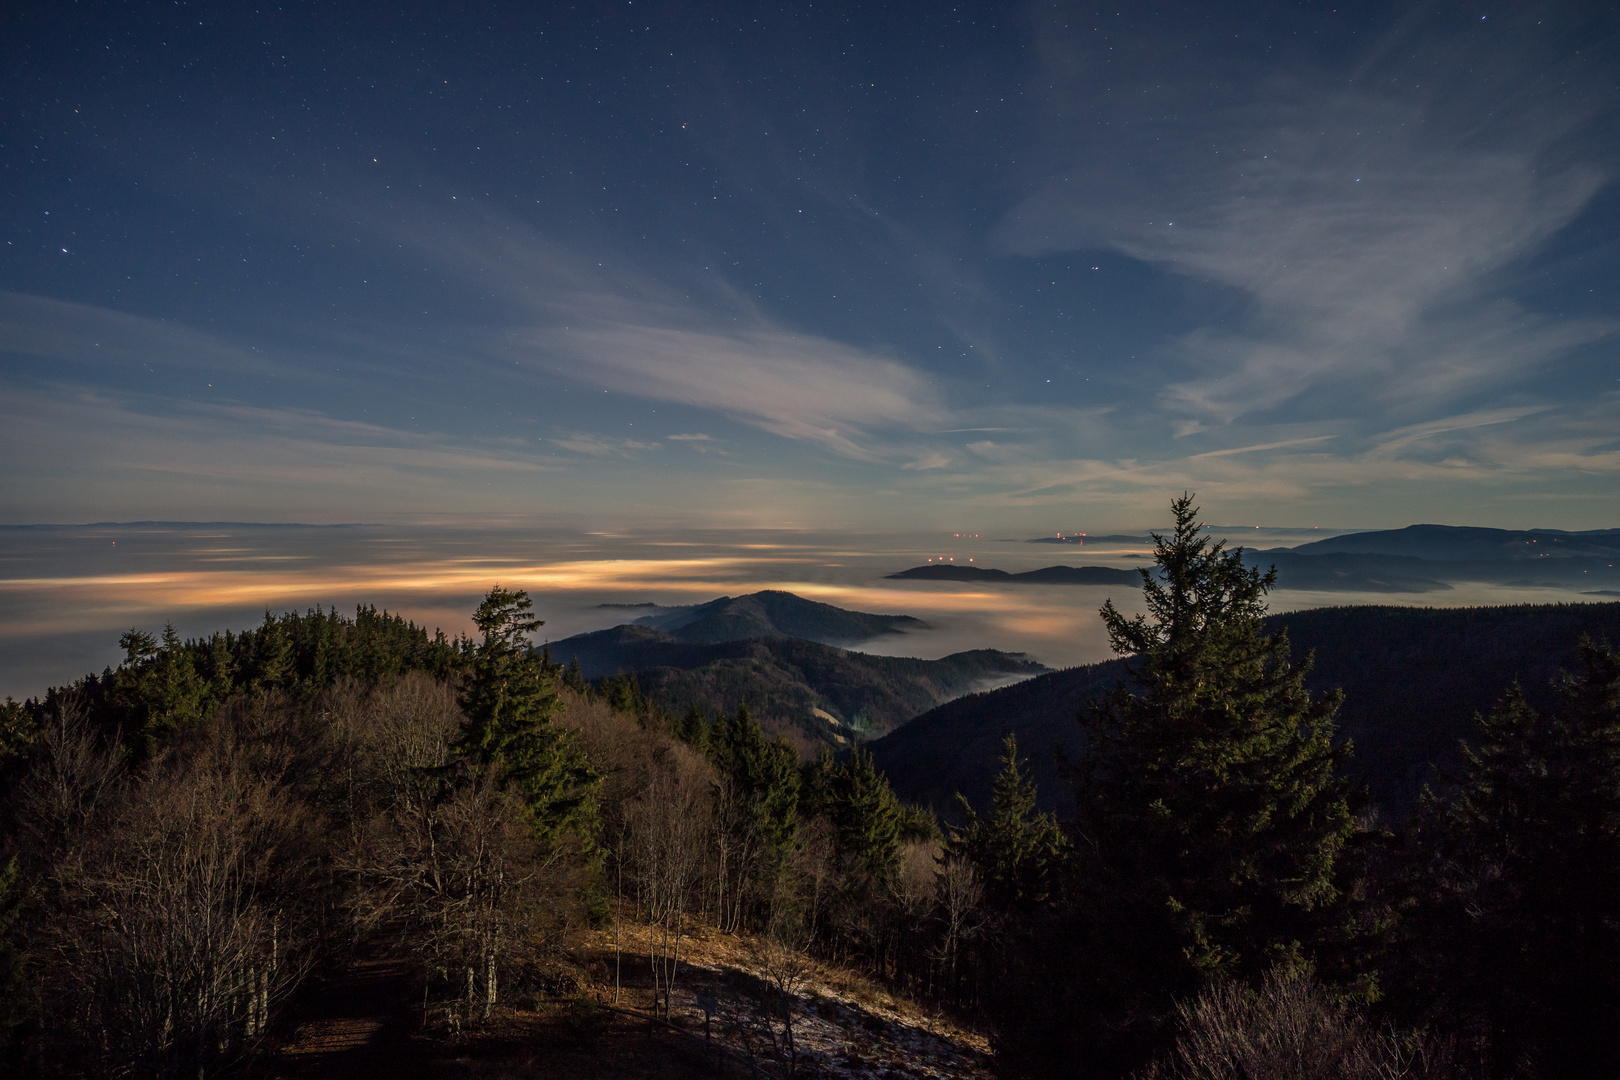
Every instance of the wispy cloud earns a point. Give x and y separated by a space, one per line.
1368 210
622 328
597 446
1461 468
795 385
97 455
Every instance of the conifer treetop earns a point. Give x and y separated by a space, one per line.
1196 587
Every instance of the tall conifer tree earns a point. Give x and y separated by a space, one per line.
1214 779
1209 818
1018 851
864 812
1520 929
510 698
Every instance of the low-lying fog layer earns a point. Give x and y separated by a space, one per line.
66 593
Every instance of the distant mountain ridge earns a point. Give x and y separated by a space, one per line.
1413 680
1428 558
760 650
1329 573
1462 543
1352 572
1049 575
774 613
1417 559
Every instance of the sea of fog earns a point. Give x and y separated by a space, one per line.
68 592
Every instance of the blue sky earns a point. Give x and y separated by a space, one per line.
909 267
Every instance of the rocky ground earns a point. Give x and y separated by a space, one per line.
367 1020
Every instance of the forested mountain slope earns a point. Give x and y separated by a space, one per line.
774 652
1413 679
1424 558
786 682
826 693
771 613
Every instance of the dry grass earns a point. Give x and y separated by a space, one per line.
845 1024
573 1028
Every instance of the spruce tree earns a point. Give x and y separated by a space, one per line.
574 678
1017 852
1214 779
18 728
178 695
274 665
865 814
757 804
1209 818
765 773
623 693
1520 927
510 699
158 683
693 728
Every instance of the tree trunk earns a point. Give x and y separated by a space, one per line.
489 982
264 999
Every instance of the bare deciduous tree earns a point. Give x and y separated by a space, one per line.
779 956
668 836
460 870
183 916
959 902
75 774
736 843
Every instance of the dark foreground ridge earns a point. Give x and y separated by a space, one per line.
1413 679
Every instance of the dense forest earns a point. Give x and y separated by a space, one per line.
1413 679
189 840
813 693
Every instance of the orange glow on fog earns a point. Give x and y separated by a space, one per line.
88 599
442 587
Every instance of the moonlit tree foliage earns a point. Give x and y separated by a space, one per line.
510 698
1215 778
1210 817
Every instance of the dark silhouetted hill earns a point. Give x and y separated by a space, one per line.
1413 679
1049 575
1425 558
1455 543
1327 572
1341 572
773 613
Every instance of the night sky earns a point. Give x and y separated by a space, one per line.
833 266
